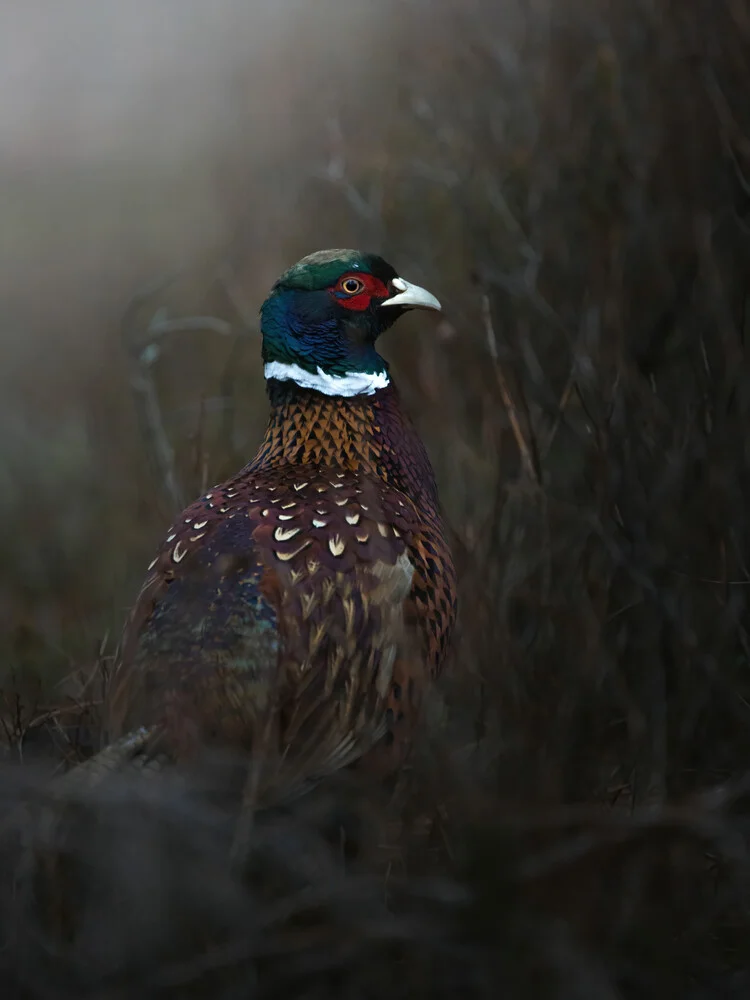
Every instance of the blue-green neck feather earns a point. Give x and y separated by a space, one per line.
305 328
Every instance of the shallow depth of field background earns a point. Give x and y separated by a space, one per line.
572 179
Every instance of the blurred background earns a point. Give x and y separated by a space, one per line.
572 179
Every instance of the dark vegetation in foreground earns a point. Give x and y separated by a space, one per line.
572 178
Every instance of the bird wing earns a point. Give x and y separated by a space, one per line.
273 612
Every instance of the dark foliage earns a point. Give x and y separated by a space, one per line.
572 178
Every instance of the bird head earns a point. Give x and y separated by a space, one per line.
324 314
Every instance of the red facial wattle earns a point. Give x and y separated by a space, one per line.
372 288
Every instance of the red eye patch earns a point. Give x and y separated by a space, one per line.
369 287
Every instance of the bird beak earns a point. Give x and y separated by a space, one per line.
411 296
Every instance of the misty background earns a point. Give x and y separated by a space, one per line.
571 178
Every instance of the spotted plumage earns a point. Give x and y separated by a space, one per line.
296 612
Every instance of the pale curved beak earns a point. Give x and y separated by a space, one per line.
411 296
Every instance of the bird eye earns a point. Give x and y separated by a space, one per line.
351 286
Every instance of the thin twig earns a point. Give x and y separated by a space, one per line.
143 357
247 327
188 324
143 385
527 459
561 406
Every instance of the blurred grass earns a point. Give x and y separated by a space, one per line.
573 180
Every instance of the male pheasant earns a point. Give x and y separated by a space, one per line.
295 613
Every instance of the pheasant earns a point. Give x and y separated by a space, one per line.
295 613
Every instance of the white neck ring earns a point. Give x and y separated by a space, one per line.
350 384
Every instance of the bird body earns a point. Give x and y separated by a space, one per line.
296 612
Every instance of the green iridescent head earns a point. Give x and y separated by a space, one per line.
324 315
